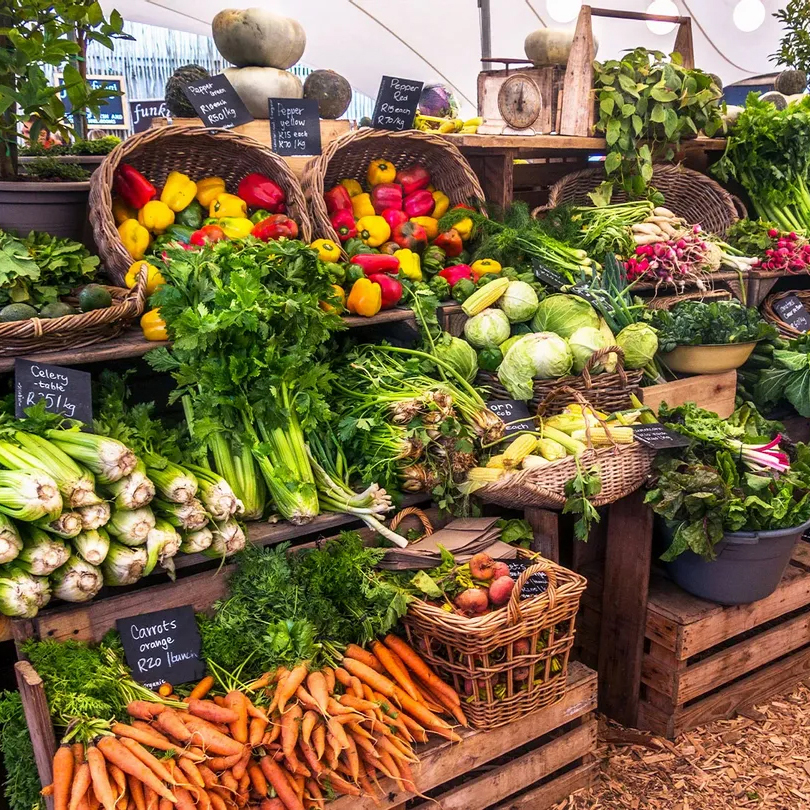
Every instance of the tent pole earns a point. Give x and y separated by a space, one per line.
486 32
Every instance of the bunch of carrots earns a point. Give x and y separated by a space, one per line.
290 740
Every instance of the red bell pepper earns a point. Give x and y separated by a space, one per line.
337 199
133 188
275 227
455 273
419 204
410 235
450 242
344 225
390 288
386 195
394 217
259 191
413 178
207 235
376 263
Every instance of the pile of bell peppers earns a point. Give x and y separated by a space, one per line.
195 213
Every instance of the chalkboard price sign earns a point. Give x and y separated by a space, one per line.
535 584
396 104
295 126
547 276
583 291
515 413
792 311
659 437
162 647
64 390
217 103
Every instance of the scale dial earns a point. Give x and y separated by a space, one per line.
519 101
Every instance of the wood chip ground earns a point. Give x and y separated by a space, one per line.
761 759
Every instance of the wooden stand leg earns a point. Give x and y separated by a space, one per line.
624 607
496 171
546 529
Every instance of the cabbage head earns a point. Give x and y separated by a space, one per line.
487 328
459 355
584 342
519 302
540 355
639 341
564 314
509 342
609 363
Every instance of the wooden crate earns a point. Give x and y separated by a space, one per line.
715 392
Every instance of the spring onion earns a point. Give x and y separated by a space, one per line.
228 539
108 458
131 527
28 495
95 516
162 543
41 553
215 492
66 525
10 540
92 545
22 595
123 565
76 580
133 490
194 542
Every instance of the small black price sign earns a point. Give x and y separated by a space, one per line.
64 390
396 104
659 437
217 103
162 647
792 311
547 276
515 413
535 584
295 126
583 291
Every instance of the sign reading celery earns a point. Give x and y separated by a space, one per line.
64 390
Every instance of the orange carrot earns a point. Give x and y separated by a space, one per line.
261 681
209 710
191 771
359 731
418 711
340 785
415 664
63 768
319 740
136 791
311 759
228 780
363 743
275 731
368 788
257 778
315 795
217 802
119 781
148 759
399 675
144 710
275 776
223 763
100 777
329 675
212 740
290 726
145 736
308 722
237 703
77 749
47 791
272 804
151 799
286 688
361 705
256 730
342 677
169 723
202 688
244 782
305 699
359 654
337 731
371 677
200 797
238 770
183 799
254 711
116 753
81 783
352 758
317 687
445 703
356 687
209 777
165 804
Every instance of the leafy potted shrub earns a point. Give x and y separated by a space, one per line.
35 34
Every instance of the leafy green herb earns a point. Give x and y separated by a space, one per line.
788 377
22 785
578 492
516 532
794 47
750 236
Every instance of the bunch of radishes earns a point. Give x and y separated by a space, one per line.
675 259
492 588
791 253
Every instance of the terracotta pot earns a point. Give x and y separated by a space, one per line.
56 208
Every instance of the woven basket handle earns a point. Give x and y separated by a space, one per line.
740 206
138 293
601 354
412 510
543 566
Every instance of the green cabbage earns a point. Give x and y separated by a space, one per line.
563 315
509 342
540 355
519 302
609 363
458 354
639 341
487 328
584 342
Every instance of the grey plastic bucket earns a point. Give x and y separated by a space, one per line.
748 567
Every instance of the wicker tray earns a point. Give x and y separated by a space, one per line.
197 152
349 156
770 315
667 302
605 392
689 194
74 331
481 651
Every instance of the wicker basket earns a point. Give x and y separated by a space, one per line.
350 156
197 152
74 331
689 194
670 301
770 314
482 650
605 392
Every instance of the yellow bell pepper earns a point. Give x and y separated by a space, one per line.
464 228
352 186
156 216
380 171
154 278
135 237
154 327
208 189
365 298
178 191
327 250
430 224
122 212
373 230
338 301
430 187
442 204
361 206
236 227
410 265
227 205
483 266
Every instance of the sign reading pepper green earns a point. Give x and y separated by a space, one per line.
217 102
295 126
396 104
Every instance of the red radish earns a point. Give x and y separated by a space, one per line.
482 567
501 590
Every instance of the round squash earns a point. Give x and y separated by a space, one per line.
549 46
254 85
259 38
179 106
791 82
777 99
332 92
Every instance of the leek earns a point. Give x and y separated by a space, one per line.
131 527
67 525
228 539
108 458
195 542
162 544
76 581
189 516
92 545
41 553
10 540
123 565
215 492
22 595
95 516
174 483
133 490
28 495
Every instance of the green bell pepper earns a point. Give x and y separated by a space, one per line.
337 272
179 233
463 289
257 216
355 246
353 273
490 358
191 216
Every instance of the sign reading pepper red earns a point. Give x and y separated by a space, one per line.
396 104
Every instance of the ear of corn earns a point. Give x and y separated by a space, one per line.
496 462
603 438
485 296
629 417
518 450
479 477
551 450
534 462
573 446
566 422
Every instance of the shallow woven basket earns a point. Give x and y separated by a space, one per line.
482 650
349 157
670 301
770 314
197 152
74 331
687 193
605 392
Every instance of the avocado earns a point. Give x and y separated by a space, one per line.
17 312
57 310
94 296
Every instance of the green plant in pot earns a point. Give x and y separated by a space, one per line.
35 36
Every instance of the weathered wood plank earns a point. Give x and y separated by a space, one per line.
578 102
547 795
546 531
662 670
557 144
713 391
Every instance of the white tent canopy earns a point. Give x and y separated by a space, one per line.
439 40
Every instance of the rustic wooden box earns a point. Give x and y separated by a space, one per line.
715 392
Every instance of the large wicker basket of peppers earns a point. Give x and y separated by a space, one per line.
190 185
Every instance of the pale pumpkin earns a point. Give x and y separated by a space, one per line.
257 37
549 46
254 85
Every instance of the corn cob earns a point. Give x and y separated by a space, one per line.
629 417
566 422
603 438
496 462
518 450
534 462
485 296
573 446
551 450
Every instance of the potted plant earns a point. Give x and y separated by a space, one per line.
35 35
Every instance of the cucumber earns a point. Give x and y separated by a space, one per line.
94 296
17 312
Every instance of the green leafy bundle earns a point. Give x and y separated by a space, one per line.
787 377
21 786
